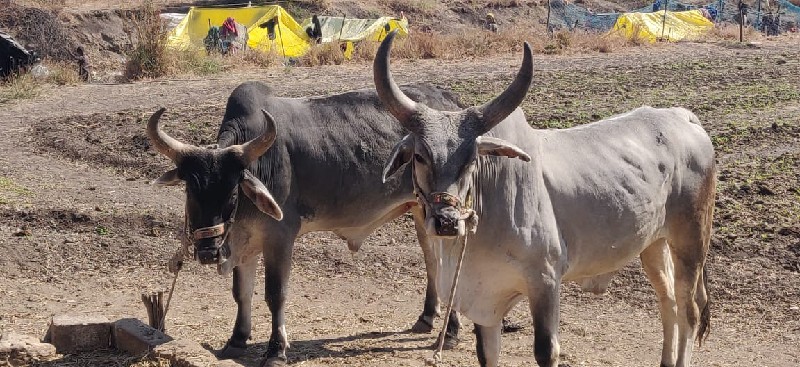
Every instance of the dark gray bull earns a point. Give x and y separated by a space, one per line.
322 172
578 204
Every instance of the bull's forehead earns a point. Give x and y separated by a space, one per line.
210 169
449 140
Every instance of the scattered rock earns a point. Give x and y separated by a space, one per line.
135 337
77 333
23 350
185 353
763 190
23 232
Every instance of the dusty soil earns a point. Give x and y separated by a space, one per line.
83 232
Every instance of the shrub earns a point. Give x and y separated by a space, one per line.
323 54
19 86
148 56
62 73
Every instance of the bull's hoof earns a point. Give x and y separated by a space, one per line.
422 326
511 327
230 352
274 362
450 342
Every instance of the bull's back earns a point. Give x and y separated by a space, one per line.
613 183
327 159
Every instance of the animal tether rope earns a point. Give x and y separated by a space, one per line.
437 354
467 213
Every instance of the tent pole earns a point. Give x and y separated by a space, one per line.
549 30
280 35
664 20
741 25
344 17
758 15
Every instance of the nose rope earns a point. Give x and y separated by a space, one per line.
188 236
466 213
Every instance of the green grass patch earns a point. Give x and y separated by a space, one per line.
10 189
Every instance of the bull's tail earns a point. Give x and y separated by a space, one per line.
705 315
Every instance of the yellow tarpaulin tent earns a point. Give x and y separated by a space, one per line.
358 29
678 25
289 38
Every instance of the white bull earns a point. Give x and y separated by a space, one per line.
580 203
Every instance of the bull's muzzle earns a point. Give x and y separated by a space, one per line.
211 251
445 226
447 222
210 245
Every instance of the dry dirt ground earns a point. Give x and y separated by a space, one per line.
81 231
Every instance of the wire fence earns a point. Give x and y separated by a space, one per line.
762 14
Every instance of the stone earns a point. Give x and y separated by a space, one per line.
185 353
79 333
23 350
137 338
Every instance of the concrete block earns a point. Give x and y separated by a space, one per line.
79 333
23 350
137 338
185 353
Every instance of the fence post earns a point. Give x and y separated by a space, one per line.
741 25
549 30
758 15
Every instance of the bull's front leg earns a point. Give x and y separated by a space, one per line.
487 343
278 265
430 309
544 303
243 284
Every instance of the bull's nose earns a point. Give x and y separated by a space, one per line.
207 256
210 251
446 226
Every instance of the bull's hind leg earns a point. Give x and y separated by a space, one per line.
243 284
690 237
657 264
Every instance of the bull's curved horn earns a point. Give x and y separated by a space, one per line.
255 148
395 100
164 143
503 105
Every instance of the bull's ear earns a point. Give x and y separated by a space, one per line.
170 178
401 154
258 193
488 145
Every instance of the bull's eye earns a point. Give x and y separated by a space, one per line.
419 158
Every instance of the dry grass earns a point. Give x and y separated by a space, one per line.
62 73
148 57
38 26
323 54
19 86
420 7
730 32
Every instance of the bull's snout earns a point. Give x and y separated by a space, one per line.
445 225
210 251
